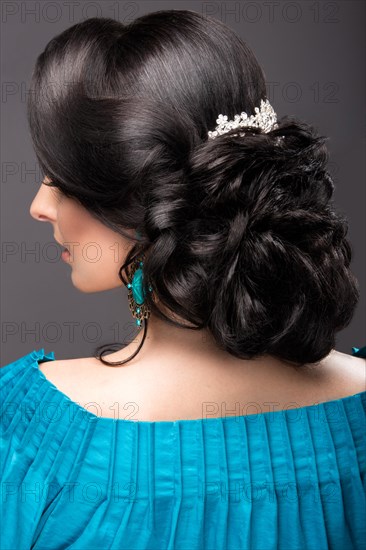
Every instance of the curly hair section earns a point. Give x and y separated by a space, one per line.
272 248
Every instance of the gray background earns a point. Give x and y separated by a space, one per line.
313 55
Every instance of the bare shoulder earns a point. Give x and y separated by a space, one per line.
61 369
102 391
157 387
74 377
342 373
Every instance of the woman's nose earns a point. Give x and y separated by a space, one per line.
43 205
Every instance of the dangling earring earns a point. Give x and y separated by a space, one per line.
136 294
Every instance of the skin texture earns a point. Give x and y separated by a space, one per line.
96 251
178 373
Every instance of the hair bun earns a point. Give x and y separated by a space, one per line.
273 249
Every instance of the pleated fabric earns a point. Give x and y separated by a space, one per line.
292 479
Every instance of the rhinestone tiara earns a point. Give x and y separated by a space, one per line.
265 118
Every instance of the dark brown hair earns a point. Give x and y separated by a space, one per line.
242 235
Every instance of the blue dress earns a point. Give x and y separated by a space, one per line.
293 479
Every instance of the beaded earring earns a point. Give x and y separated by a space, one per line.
136 293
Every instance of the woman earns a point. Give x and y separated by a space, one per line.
230 421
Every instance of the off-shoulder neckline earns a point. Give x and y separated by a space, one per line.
39 356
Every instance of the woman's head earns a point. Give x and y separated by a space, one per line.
238 232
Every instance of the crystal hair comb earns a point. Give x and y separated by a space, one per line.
265 118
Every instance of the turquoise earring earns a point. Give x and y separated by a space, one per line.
136 292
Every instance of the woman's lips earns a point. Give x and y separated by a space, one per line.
65 254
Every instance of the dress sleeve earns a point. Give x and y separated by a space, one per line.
22 442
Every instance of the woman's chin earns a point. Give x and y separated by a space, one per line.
88 286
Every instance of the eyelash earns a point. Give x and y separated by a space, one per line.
50 184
